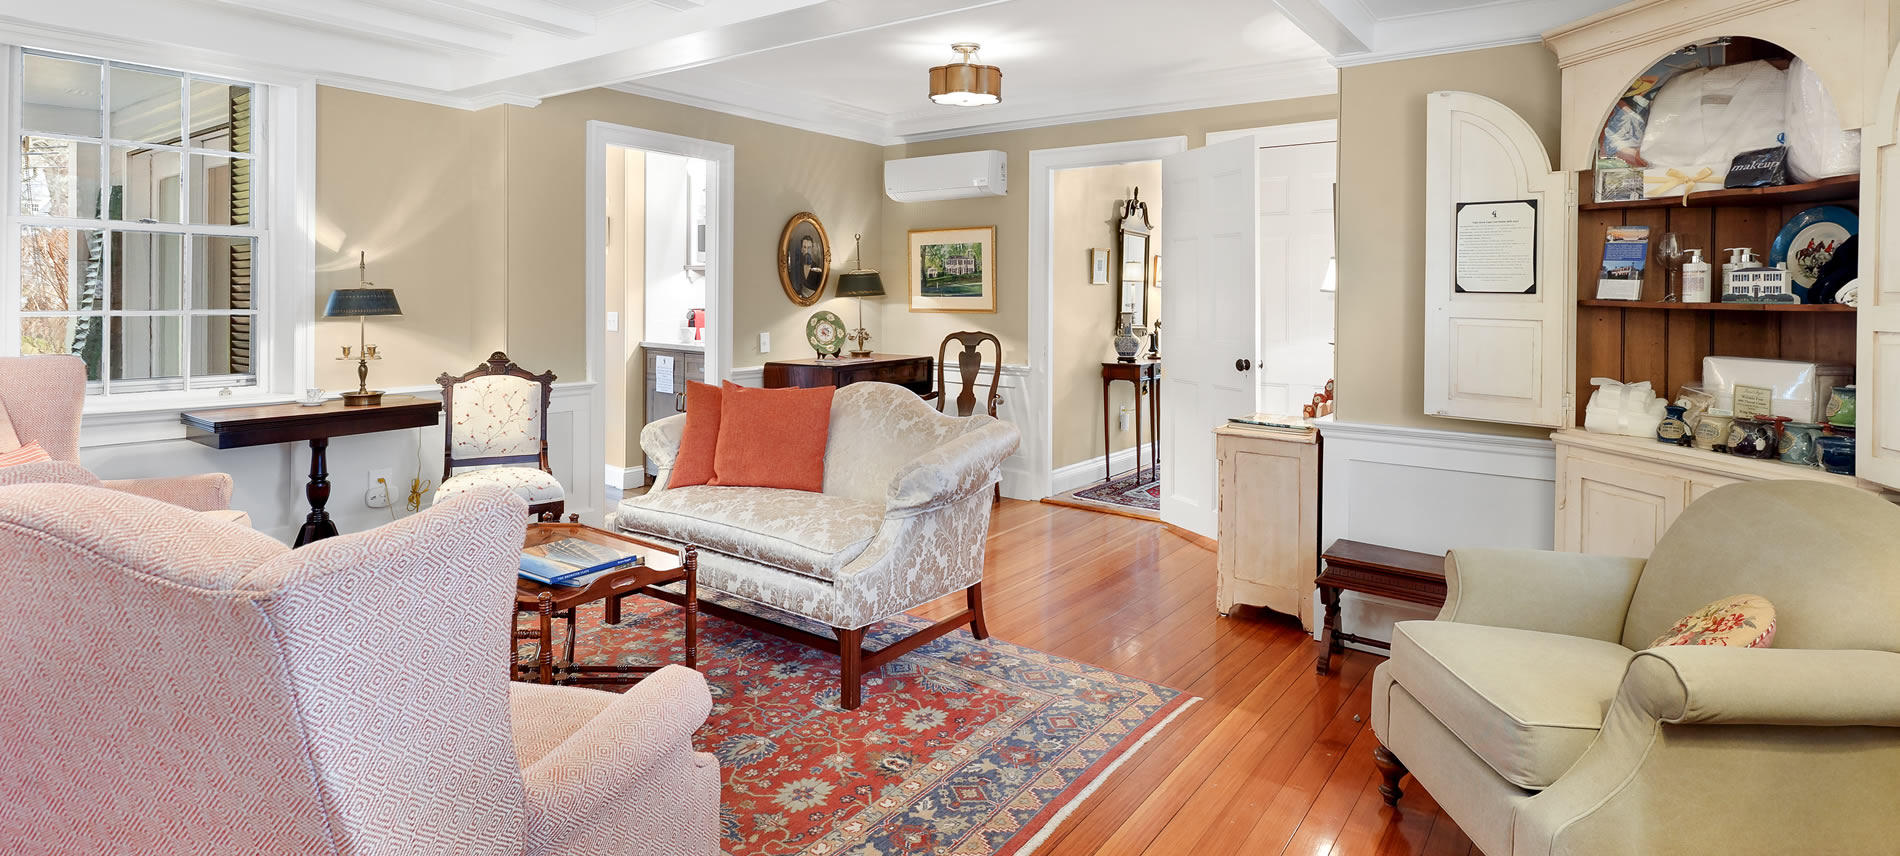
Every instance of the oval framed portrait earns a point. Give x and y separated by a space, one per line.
804 259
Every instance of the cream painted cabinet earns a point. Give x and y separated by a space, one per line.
1617 495
1268 520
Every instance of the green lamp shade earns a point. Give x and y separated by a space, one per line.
354 302
861 283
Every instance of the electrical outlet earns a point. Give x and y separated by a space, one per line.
1126 415
765 343
380 482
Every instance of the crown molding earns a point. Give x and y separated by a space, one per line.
1433 33
426 95
1376 57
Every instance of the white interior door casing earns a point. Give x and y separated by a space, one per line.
1211 308
1296 243
1491 356
1877 364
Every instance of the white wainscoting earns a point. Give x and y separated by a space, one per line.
1014 390
1430 491
270 479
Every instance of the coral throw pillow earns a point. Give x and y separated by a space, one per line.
1741 621
773 437
694 463
27 454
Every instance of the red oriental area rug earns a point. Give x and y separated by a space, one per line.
962 748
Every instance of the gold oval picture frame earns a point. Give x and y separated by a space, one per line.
804 259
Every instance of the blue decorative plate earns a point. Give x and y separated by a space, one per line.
1809 240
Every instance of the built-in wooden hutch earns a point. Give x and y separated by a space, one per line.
1528 358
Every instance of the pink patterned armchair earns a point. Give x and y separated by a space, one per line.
181 686
43 397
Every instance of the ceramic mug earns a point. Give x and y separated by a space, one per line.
1711 431
1840 407
1837 454
1797 444
313 394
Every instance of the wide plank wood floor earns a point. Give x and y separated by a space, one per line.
1274 759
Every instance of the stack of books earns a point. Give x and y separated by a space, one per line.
573 562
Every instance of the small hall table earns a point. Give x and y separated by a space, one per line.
1145 375
236 427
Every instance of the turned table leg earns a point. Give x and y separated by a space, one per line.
317 525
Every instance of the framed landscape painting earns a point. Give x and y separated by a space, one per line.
953 270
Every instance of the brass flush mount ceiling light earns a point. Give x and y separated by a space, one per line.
964 83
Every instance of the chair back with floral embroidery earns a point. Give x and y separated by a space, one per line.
497 416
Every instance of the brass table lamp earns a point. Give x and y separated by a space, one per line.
361 302
860 283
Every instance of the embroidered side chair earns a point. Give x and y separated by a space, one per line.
497 434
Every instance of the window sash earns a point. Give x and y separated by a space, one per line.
186 148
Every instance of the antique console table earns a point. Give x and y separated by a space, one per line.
1375 570
235 427
1146 376
912 373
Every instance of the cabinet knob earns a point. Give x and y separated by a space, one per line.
1243 364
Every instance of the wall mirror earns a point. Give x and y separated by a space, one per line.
1132 233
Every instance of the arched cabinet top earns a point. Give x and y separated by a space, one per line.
1844 41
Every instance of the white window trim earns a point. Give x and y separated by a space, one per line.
286 311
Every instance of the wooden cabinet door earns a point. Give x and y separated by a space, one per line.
1877 375
1617 511
1268 525
1492 353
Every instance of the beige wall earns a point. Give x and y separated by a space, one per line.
780 172
919 332
415 186
1085 219
625 283
1381 302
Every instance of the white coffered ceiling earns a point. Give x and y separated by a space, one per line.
855 68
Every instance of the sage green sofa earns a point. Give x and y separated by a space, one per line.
1532 712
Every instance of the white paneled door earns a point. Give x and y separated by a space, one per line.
1296 243
1210 307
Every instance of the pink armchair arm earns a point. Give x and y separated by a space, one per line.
628 781
203 492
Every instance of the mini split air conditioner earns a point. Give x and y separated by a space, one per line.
959 176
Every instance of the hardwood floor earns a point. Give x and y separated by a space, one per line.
1274 759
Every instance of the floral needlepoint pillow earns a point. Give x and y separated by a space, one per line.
1740 621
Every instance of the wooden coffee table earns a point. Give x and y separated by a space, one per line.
659 566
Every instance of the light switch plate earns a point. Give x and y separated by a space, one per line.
613 322
765 343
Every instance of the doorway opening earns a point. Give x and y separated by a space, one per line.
659 291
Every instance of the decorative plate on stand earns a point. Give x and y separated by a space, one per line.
825 333
1809 240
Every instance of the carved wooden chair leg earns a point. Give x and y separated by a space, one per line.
851 667
977 627
1392 769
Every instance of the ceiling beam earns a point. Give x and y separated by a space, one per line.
383 22
540 15
1339 26
809 23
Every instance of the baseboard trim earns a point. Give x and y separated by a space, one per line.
625 478
1065 479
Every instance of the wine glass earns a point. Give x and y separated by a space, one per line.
1669 254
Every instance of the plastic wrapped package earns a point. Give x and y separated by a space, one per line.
1703 118
1631 409
1817 146
1800 389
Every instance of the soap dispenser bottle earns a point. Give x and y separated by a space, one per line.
1695 279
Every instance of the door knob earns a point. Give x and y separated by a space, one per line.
1243 364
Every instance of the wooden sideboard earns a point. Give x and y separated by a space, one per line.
912 373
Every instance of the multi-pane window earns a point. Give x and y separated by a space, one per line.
137 239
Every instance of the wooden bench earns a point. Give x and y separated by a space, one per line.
1375 570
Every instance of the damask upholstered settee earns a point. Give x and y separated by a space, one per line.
903 519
